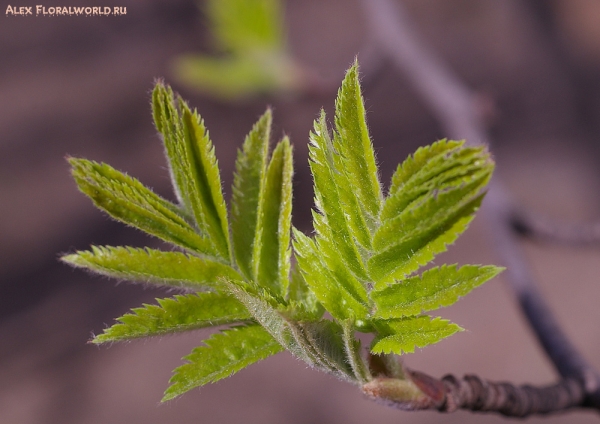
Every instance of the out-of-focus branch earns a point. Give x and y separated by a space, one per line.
542 229
454 105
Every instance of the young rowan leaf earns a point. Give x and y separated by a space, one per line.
181 313
332 221
419 167
304 303
403 335
434 209
170 269
357 267
166 121
225 353
194 165
434 169
127 200
264 309
207 181
409 254
355 149
326 345
340 299
249 176
272 252
436 287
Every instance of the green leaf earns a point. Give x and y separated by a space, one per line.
433 197
425 163
354 146
410 253
436 287
303 303
339 298
249 176
331 224
440 168
271 255
257 59
264 309
240 77
127 200
319 344
194 165
241 25
403 335
167 122
225 353
171 269
181 313
326 345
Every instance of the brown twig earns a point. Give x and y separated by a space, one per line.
454 106
474 394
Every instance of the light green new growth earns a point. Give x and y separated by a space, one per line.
236 266
256 60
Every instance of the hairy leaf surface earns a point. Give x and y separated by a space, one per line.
249 176
332 223
403 335
127 200
272 246
181 313
354 145
436 287
264 309
170 269
225 353
194 164
410 253
325 343
337 297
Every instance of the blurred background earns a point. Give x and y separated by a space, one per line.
80 86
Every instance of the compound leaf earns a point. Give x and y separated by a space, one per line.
436 287
225 353
181 313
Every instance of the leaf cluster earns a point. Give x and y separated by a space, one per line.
234 266
254 59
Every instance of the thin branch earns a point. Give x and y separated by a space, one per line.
542 229
454 105
422 392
